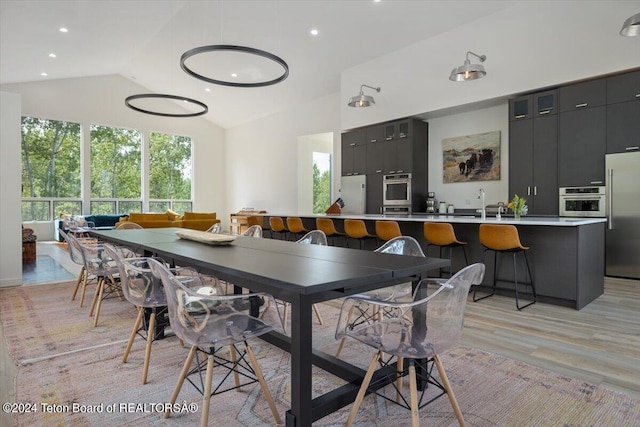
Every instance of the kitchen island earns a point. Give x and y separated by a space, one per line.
566 256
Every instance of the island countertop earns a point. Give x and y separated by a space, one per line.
461 219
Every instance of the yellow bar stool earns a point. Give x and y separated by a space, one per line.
296 227
276 224
387 230
442 235
356 229
327 226
504 238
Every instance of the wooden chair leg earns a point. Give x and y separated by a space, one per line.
134 332
413 386
399 370
315 309
342 341
78 281
206 397
95 296
363 389
84 287
447 386
151 332
99 303
285 306
234 358
263 385
183 375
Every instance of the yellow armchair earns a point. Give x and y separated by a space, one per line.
198 220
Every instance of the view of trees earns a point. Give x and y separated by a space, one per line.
321 189
52 164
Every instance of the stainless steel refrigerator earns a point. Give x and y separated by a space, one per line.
353 192
623 215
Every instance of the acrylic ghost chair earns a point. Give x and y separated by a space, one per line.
128 226
253 231
215 228
205 318
143 290
402 245
76 256
419 330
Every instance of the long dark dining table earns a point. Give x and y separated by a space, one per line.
299 274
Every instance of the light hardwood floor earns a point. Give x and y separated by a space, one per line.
599 344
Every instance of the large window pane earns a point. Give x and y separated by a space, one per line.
169 167
159 206
129 206
35 211
67 207
115 163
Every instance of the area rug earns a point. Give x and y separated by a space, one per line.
78 376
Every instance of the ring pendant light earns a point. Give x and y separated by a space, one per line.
234 49
202 105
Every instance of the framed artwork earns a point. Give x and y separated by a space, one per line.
471 158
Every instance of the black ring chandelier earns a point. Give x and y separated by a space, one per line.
241 49
204 107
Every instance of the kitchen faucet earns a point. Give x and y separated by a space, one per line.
481 195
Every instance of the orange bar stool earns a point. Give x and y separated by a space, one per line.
387 230
504 238
442 235
276 224
328 227
296 227
356 229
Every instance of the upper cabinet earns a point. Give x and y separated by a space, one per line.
354 152
583 95
545 103
623 88
521 108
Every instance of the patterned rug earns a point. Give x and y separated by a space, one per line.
75 371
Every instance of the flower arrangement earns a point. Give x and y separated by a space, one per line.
519 206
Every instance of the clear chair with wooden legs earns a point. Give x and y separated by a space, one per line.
329 229
296 227
416 332
504 238
253 231
356 229
203 317
127 225
403 245
143 290
215 228
277 227
76 256
442 235
99 265
387 230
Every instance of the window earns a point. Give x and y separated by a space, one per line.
169 172
115 168
321 182
50 168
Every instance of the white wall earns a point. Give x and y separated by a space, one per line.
529 46
263 156
479 121
100 100
10 211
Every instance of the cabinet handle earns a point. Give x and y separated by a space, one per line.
403 135
389 138
521 116
374 140
581 105
392 171
595 182
535 190
542 112
353 144
528 191
399 171
356 173
637 95
379 171
632 148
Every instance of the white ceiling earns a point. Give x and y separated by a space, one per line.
143 41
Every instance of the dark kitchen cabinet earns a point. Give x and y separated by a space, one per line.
623 127
533 157
354 152
375 157
623 87
545 103
521 108
374 193
581 147
583 95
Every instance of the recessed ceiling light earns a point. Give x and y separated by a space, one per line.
314 32
206 89
234 75
64 30
44 74
52 55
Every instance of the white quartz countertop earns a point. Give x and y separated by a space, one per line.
463 219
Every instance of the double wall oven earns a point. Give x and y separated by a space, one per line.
583 201
396 193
